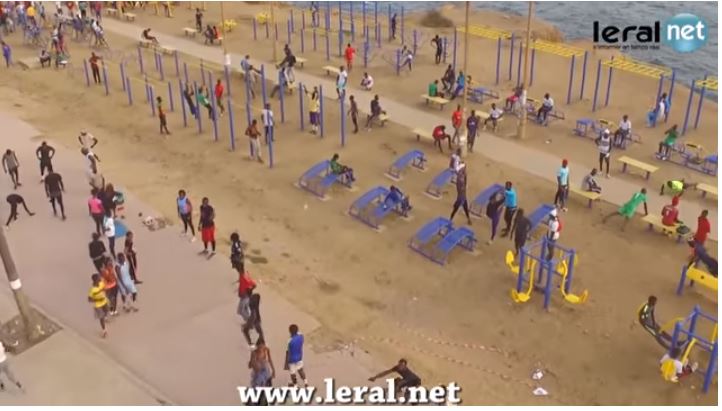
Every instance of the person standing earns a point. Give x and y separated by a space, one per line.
110 282
97 297
253 135
510 205
349 54
341 82
109 230
703 228
604 145
218 91
493 211
126 285
45 154
262 369
560 198
185 212
54 189
294 356
95 208
5 369
520 231
14 200
353 112
97 250
95 68
461 200
268 123
207 226
438 44
161 117
254 320
628 209
472 125
7 53
456 118
314 109
199 20
11 166
555 227
131 256
237 257
393 27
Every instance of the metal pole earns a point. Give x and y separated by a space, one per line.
122 74
670 94
689 107
328 45
152 101
699 105
463 137
398 62
300 104
302 42
498 58
314 39
288 31
177 64
170 96
571 80
609 86
130 92
518 66
282 91
185 72
87 76
320 109
522 122
511 56
160 67
227 73
231 123
255 30
584 75
531 70
343 122
275 39
263 85
183 103
140 60
596 85
453 61
198 108
105 79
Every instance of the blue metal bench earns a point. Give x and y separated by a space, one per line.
319 178
364 208
477 94
482 199
443 178
538 215
415 158
462 236
436 227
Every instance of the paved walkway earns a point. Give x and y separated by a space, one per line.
538 163
61 369
186 341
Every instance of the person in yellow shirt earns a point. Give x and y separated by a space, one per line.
97 297
314 109
30 12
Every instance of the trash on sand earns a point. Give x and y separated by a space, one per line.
540 392
537 375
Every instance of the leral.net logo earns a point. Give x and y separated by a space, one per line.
684 33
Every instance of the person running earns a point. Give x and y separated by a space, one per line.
510 205
349 54
589 182
262 369
407 57
367 82
45 154
604 145
268 123
407 377
98 298
109 231
54 189
161 116
11 166
14 200
218 93
110 281
96 210
254 320
494 116
126 285
253 135
5 369
346 173
628 209
461 200
94 67
131 256
294 356
95 179
207 226
472 125
237 256
353 112
375 112
96 251
341 81
520 231
703 228
456 120
493 211
7 53
185 212
107 196
560 198
439 134
438 45
666 145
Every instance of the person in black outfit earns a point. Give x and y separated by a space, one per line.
45 154
436 41
237 257
393 27
254 321
407 377
206 225
97 250
461 194
520 230
14 200
54 189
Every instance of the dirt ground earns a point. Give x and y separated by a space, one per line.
453 323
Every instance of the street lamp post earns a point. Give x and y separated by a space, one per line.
521 132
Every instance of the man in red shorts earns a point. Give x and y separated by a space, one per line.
207 226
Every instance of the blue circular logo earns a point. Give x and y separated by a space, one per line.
685 32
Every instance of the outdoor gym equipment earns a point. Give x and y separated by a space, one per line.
707 84
688 328
537 270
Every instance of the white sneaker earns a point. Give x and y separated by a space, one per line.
193 239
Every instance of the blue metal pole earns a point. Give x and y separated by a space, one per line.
670 94
270 149
177 64
185 72
388 16
328 15
498 58
522 266
227 74
130 92
570 267
398 62
518 66
263 85
314 39
415 41
140 60
152 101
281 98
366 54
255 31
711 368
363 12
231 123
247 80
511 56
376 21
107 90
403 41
571 80
445 46
214 119
303 20
300 104
453 61
378 36
303 46
340 43
275 30
689 107
699 105
596 85
328 45
288 31
584 75
160 67
293 25
609 86
531 73
198 108
340 17
183 103
122 74
266 23
353 24
147 89
155 59
320 117
87 76
170 96
343 122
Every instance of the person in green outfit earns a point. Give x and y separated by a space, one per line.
341 170
666 145
628 209
433 90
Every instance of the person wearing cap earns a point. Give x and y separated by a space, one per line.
560 198
670 213
554 229
628 209
604 145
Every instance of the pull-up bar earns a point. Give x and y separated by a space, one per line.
632 66
708 83
561 50
491 34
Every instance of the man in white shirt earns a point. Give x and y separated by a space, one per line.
407 56
341 82
109 229
367 82
623 132
5 369
268 122
494 116
546 107
251 71
455 160
552 233
604 145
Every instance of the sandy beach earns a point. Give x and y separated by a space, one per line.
453 323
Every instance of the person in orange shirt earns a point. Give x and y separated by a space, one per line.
670 213
219 96
161 116
349 54
703 228
456 122
111 285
